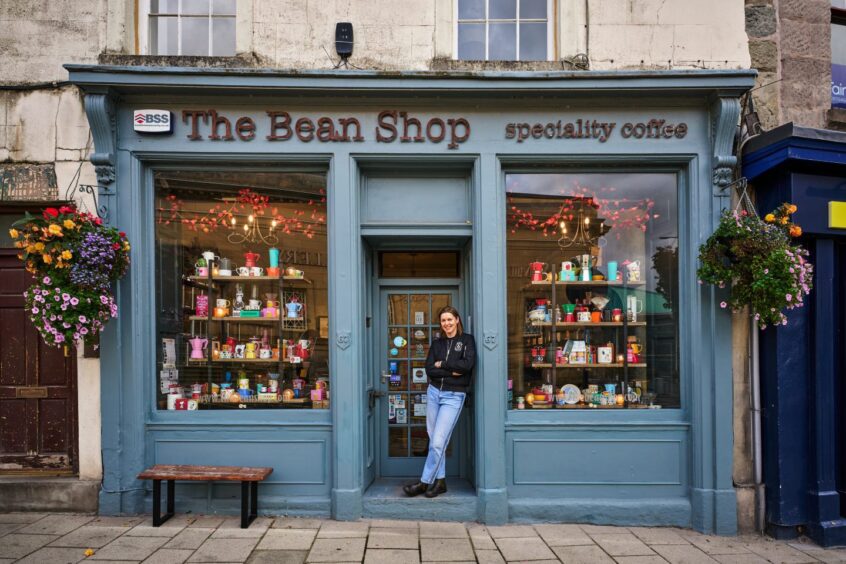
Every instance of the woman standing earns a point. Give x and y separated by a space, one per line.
449 368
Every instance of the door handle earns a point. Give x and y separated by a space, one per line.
385 376
373 395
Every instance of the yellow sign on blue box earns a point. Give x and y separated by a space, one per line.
837 215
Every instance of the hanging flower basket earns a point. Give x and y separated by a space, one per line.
758 260
75 259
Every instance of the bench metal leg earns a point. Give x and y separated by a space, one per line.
158 518
249 503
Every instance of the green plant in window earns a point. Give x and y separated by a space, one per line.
759 262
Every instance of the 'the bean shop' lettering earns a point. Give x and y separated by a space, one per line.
391 125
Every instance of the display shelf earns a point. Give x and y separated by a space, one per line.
235 318
593 365
587 324
195 278
601 283
198 362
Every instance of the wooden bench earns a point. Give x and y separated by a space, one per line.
249 478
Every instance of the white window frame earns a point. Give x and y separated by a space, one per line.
550 23
144 46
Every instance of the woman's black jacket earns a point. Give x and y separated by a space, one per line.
458 355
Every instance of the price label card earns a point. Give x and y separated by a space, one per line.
419 318
402 416
168 353
418 376
420 410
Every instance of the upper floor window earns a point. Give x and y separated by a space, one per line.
838 53
504 30
203 28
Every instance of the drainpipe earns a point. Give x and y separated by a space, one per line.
755 374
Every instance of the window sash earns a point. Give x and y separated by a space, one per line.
517 20
148 18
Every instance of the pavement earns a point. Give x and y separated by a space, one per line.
60 537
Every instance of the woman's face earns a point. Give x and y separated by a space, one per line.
449 323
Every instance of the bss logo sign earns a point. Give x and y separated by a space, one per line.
152 121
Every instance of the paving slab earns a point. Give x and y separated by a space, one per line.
224 550
15 545
654 559
511 531
393 538
129 548
446 550
779 553
287 539
391 556
682 554
277 557
718 545
55 556
89 536
603 529
524 548
740 559
207 521
534 562
563 535
126 521
489 557
343 530
392 523
296 523
337 550
442 530
231 529
480 537
169 528
581 554
830 555
21 517
622 544
6 528
189 539
658 535
56 525
169 556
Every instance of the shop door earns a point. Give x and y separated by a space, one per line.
37 386
408 325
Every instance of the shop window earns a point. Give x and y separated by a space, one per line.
200 28
838 54
593 295
419 264
503 30
242 312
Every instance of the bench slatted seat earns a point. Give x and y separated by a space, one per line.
248 476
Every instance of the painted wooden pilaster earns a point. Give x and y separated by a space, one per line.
100 107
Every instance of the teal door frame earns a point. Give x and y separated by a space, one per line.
411 466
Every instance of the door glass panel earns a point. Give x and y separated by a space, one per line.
417 409
418 376
398 441
419 309
397 309
420 342
439 301
397 342
419 442
399 375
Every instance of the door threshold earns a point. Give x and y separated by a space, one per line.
384 499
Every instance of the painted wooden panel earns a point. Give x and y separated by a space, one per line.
53 428
417 200
12 347
13 435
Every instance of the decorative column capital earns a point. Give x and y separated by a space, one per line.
725 116
100 107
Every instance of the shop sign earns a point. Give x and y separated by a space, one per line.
594 129
837 215
838 86
152 121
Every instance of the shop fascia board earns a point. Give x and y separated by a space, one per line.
789 143
454 84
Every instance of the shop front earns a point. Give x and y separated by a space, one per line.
296 235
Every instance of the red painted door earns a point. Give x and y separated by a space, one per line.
37 386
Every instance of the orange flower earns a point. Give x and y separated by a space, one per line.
795 231
13 233
791 208
784 221
46 258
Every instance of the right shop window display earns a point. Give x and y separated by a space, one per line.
592 263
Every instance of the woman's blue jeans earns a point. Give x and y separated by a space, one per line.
442 411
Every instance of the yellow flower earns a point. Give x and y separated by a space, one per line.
769 218
784 221
13 233
39 246
46 258
69 224
30 248
19 244
55 229
67 255
126 246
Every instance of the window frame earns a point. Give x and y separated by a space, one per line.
550 29
144 29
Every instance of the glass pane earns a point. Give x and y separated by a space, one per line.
195 7
471 42
226 7
838 66
503 42
534 9
420 309
195 37
420 342
398 309
398 441
242 355
397 342
611 241
502 10
471 9
419 264
6 222
397 409
223 37
417 409
398 371
533 41
164 6
418 376
419 441
164 36
439 301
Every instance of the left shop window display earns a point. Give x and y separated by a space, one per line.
241 288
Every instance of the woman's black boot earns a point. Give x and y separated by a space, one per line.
436 488
412 490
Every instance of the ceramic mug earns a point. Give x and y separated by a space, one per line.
210 256
255 304
273 271
243 271
221 302
203 271
583 316
256 271
265 353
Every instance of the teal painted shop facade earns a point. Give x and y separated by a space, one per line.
445 186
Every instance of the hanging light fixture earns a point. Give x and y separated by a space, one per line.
252 232
579 235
